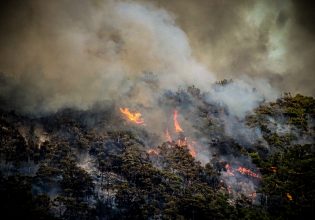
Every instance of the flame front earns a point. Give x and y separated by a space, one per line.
133 117
242 170
176 124
248 172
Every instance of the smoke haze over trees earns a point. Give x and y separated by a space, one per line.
157 109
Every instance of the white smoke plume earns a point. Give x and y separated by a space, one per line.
77 53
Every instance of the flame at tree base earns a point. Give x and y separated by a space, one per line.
247 172
183 142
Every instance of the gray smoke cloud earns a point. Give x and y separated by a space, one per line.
273 40
75 53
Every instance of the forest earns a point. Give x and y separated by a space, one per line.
93 164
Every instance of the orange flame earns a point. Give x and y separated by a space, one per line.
176 124
192 150
248 172
289 196
133 117
182 142
229 189
168 136
189 144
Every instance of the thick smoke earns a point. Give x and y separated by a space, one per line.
76 53
73 56
272 39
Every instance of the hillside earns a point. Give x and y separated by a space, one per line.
88 164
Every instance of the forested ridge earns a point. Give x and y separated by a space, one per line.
74 165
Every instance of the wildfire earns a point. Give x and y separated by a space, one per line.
176 124
229 170
182 142
248 172
242 170
168 136
133 117
153 152
289 196
192 150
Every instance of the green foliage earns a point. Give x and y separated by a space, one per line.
181 190
288 180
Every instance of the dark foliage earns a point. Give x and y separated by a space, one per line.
83 171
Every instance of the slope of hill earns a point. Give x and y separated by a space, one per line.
94 164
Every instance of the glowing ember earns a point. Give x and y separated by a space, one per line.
189 144
168 136
248 172
289 196
192 150
176 124
229 170
153 152
182 142
133 117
